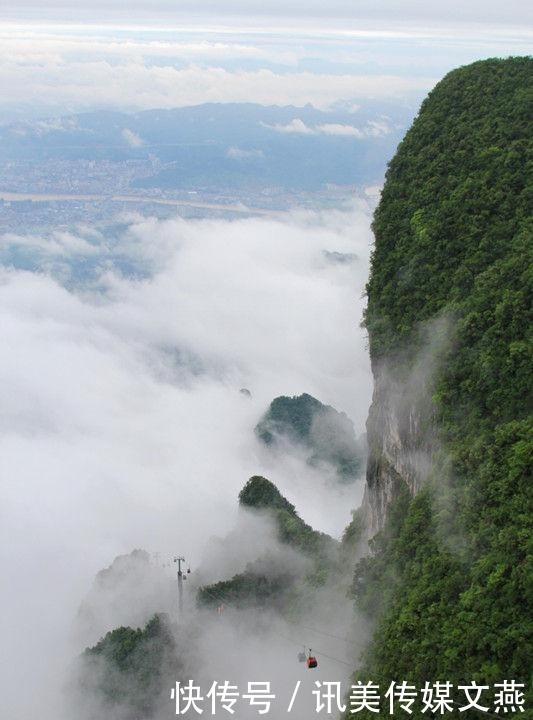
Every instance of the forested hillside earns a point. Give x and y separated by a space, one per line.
449 582
129 670
323 434
266 583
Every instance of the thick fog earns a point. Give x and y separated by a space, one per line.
122 426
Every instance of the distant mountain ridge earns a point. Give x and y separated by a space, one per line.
231 145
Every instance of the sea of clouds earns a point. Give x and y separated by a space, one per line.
122 424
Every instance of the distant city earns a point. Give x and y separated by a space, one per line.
225 160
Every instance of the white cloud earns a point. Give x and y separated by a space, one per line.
296 126
35 45
59 70
373 191
377 128
47 69
122 424
235 153
132 138
59 244
43 127
134 85
373 128
338 129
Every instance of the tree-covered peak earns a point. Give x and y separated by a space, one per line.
457 196
129 669
289 415
262 493
321 432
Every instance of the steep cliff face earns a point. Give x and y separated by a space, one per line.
453 204
398 453
448 502
402 425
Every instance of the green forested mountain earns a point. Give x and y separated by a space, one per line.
327 436
265 582
261 494
449 585
128 669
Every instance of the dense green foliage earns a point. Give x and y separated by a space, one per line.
327 435
352 536
251 588
449 583
266 582
292 416
457 199
261 494
128 668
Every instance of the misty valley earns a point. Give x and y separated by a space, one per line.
265 371
190 417
269 591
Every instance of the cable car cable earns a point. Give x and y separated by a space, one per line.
291 640
329 657
297 624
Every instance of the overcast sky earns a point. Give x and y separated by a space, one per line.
130 62
511 13
67 56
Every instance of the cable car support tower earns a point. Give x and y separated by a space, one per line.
181 577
